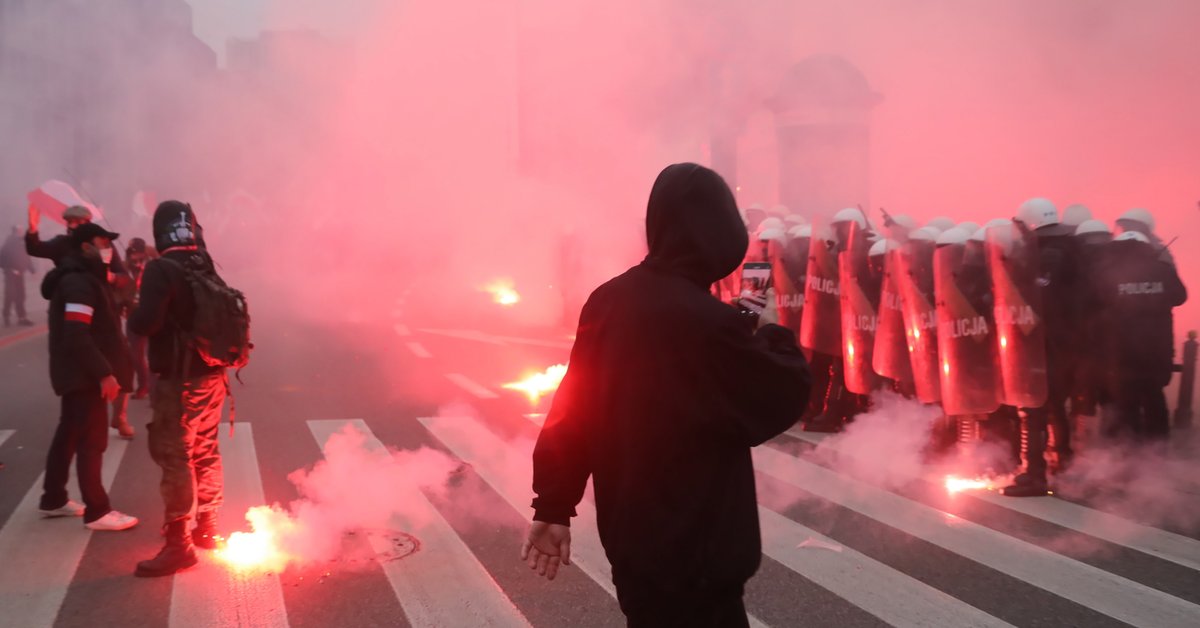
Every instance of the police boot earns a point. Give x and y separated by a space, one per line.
177 555
1027 485
204 535
1031 483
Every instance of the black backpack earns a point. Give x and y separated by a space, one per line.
221 326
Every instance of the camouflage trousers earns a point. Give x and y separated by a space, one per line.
183 441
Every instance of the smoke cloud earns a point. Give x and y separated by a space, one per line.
335 499
886 446
1138 482
447 147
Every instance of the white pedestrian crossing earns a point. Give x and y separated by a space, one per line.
444 584
419 350
1168 546
1095 588
890 595
471 386
494 459
212 594
40 556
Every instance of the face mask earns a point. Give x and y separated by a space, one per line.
106 256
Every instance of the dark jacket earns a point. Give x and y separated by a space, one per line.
666 392
1138 291
86 343
13 256
165 306
58 247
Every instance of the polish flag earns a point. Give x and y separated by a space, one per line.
54 197
78 313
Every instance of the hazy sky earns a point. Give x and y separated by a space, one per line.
217 21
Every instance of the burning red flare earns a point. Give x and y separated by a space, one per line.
537 385
258 549
503 292
955 484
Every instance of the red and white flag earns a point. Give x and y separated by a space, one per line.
78 313
54 197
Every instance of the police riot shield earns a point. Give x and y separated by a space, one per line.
1013 265
890 357
860 306
790 264
821 321
970 381
920 317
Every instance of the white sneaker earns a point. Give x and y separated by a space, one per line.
70 509
113 521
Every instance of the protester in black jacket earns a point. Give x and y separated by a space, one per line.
188 397
60 246
89 365
666 392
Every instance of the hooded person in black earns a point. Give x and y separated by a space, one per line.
667 391
188 396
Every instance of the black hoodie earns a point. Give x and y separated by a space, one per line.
86 343
666 392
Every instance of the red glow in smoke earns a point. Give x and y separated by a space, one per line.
503 292
537 385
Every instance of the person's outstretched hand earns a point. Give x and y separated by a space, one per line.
547 546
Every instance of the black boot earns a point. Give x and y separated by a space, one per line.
1026 485
177 555
204 535
1032 482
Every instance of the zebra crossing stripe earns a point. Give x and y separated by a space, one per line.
1104 592
892 596
491 459
469 385
5 435
42 555
1168 546
444 584
211 594
882 591
419 350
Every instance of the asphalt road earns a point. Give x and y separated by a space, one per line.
840 549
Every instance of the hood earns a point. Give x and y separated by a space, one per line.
174 225
73 262
693 227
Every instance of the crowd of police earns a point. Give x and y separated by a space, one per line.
1022 329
